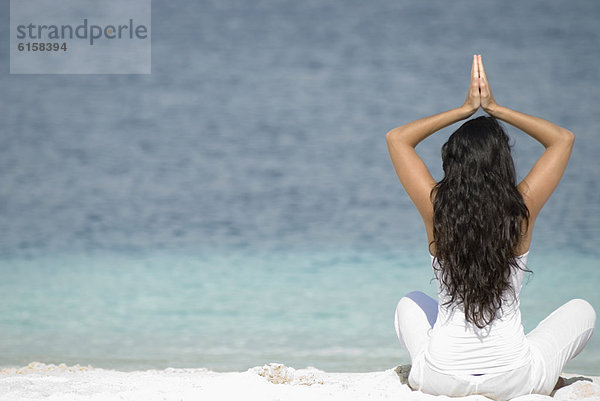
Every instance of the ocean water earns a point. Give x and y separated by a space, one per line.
238 205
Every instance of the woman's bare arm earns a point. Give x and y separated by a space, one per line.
546 173
411 170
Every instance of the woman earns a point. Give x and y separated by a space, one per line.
479 225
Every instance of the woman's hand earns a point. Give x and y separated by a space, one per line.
488 103
473 100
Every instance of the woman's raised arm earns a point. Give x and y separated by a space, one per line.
412 172
546 173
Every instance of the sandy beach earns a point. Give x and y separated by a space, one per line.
39 381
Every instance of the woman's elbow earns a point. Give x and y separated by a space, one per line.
391 135
567 138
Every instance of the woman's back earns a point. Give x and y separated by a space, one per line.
460 347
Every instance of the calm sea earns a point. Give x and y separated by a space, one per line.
238 205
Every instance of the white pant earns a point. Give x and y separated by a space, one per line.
555 341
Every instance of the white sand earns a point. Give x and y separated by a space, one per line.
39 381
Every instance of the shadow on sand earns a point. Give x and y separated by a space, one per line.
562 382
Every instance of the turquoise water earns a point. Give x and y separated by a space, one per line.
330 309
238 206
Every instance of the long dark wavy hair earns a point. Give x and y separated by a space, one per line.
478 217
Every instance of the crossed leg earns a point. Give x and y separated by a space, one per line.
558 339
416 314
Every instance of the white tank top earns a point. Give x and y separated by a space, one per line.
458 347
